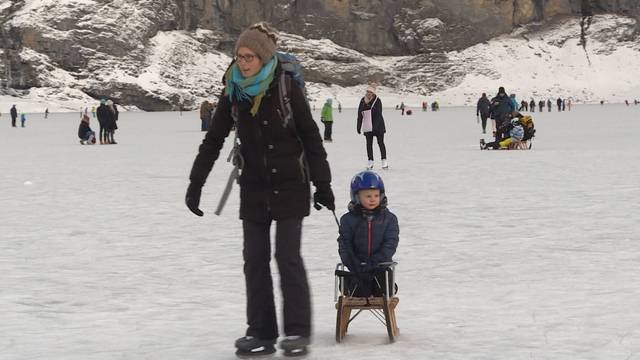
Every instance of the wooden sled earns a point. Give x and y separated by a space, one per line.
382 307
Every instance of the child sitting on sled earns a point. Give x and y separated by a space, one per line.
515 129
368 236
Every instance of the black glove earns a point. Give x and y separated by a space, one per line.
324 196
358 132
193 198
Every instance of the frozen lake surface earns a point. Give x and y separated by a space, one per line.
503 254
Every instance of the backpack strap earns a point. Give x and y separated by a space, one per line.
286 113
285 100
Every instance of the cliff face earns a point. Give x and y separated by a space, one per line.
394 27
157 53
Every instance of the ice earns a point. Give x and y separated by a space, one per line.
503 254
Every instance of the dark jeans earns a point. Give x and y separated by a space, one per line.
204 125
261 312
484 121
13 121
328 127
367 284
103 133
380 138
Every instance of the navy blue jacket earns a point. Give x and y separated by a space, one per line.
500 106
367 237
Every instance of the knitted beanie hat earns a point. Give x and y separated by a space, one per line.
372 87
261 39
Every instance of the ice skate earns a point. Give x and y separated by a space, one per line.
295 345
370 165
385 164
249 347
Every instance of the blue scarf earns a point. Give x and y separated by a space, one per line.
239 88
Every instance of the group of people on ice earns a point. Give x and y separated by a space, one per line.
207 109
278 153
562 104
435 106
510 125
13 113
107 114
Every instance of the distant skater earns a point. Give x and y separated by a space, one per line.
483 109
14 115
326 117
371 123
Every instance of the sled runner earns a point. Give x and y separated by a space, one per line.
382 307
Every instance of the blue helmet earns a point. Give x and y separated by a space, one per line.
365 180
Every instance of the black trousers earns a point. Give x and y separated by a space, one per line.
368 284
484 121
13 121
383 148
328 130
261 312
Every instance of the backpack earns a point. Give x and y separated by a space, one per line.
528 126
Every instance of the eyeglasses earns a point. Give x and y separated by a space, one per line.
245 58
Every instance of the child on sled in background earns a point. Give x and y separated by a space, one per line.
520 128
86 135
369 235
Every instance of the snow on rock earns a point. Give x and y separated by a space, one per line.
121 50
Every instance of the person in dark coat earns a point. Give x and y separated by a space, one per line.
112 125
104 119
86 135
559 103
541 105
483 109
274 185
524 106
549 105
14 115
532 105
501 110
371 123
205 115
369 233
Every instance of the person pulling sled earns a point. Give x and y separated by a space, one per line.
278 153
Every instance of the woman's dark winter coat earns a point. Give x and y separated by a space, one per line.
105 116
115 114
376 115
353 243
273 181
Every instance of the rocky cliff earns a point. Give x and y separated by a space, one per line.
156 54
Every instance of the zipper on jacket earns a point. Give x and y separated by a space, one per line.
369 237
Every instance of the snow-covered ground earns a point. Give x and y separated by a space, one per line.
503 254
